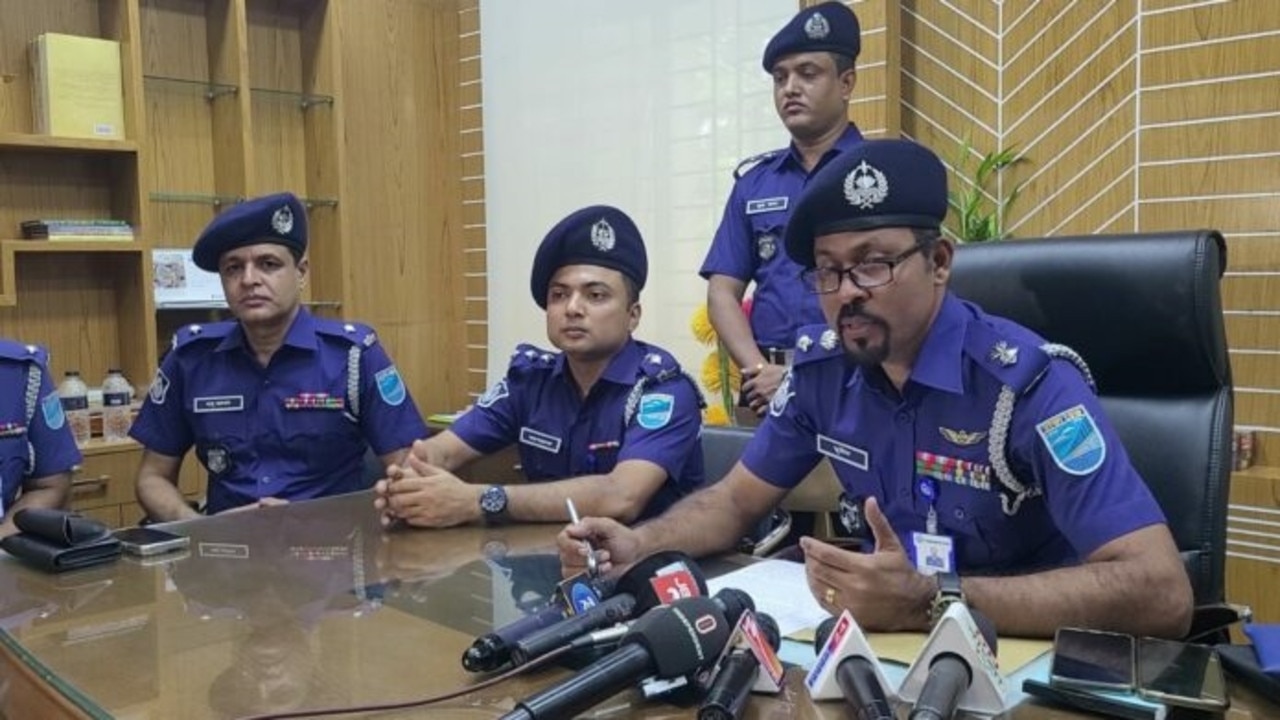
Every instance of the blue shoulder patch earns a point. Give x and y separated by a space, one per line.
51 406
1074 441
816 342
391 385
655 410
530 357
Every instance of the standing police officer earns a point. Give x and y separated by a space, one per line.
37 451
609 421
811 61
988 469
279 404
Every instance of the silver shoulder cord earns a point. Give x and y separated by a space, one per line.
353 383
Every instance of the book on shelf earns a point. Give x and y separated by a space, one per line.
77 87
90 229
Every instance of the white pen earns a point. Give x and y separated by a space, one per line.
592 569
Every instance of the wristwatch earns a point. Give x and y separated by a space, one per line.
493 503
948 592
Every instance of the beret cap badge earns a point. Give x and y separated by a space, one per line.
282 220
816 27
865 186
602 235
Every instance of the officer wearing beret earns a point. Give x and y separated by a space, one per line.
811 61
984 463
280 405
609 421
37 450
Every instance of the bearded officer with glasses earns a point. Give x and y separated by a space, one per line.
985 467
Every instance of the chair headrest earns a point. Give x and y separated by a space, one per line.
1121 301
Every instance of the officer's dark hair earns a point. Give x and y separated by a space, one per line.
843 62
633 291
926 238
296 253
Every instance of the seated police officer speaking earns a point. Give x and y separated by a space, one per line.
280 405
609 421
37 450
986 467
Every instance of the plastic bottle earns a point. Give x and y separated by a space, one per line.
117 416
75 403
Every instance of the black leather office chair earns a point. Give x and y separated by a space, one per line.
722 445
1145 313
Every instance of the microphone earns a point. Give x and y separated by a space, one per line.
727 696
857 672
672 641
493 650
956 669
656 579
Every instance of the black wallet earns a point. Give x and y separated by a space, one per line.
57 540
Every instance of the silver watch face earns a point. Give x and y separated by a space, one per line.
493 500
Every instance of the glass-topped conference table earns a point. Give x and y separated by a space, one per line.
307 606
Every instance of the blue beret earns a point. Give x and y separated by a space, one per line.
874 184
828 27
278 219
596 235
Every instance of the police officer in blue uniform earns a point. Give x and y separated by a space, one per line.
811 61
37 450
608 421
280 405
984 464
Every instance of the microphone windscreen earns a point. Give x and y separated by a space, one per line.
734 602
662 577
683 637
822 633
769 628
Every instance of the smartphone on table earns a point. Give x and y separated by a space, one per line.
1182 674
148 541
1092 659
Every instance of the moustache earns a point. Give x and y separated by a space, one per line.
854 311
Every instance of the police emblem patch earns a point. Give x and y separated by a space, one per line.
282 220
602 236
391 385
159 388
51 406
781 396
963 438
655 410
496 392
1074 441
865 186
217 459
766 245
1004 353
817 27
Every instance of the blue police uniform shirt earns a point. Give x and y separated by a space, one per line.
748 243
287 430
933 440
35 440
562 435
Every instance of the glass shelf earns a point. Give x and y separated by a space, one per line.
311 202
304 100
195 198
210 90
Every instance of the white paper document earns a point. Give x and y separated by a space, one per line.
179 283
778 588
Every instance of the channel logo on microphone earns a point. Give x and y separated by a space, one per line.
674 582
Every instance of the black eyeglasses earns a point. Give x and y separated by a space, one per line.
866 275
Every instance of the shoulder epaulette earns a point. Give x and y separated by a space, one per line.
530 357
658 365
353 332
11 350
816 342
195 332
1014 362
753 162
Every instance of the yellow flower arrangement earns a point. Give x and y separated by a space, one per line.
719 375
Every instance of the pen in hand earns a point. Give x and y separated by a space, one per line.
592 568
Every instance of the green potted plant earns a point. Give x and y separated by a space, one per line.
980 214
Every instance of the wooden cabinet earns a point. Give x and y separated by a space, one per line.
103 486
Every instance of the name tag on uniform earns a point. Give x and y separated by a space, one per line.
764 205
220 403
843 452
540 440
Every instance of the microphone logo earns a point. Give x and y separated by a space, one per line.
674 585
582 597
705 624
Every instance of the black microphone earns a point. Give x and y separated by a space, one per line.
857 679
949 677
666 642
493 650
650 582
727 696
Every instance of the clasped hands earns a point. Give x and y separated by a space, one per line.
425 495
882 589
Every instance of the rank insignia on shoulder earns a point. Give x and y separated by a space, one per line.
963 438
804 343
1004 353
828 339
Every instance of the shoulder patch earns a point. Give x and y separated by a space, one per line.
51 406
159 387
655 410
816 342
496 392
1014 362
753 162
195 332
1074 441
528 357
391 385
781 396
